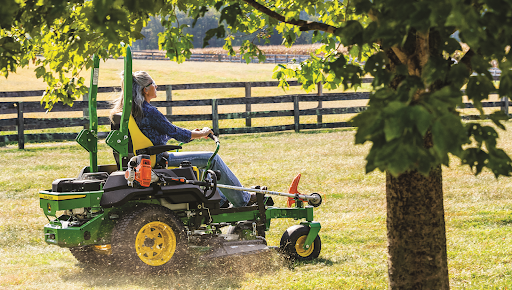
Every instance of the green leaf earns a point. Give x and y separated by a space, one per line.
497 117
451 45
230 14
422 118
478 89
448 135
351 33
420 18
376 66
394 125
458 75
362 6
40 71
369 125
435 69
337 66
218 32
505 86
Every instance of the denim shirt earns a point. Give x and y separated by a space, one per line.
158 129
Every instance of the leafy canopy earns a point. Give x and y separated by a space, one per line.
406 46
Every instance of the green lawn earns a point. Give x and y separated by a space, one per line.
353 215
353 218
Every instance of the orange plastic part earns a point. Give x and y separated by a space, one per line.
293 190
143 172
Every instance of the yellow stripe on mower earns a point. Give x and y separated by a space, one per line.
60 197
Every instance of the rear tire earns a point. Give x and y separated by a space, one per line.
149 239
292 243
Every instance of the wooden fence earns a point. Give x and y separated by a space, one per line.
270 58
22 123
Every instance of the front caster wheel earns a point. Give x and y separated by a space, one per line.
149 239
292 244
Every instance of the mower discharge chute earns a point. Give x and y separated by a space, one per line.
143 217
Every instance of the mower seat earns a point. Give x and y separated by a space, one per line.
116 192
138 144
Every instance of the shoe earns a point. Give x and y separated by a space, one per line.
253 200
254 196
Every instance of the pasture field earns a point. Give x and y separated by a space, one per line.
353 218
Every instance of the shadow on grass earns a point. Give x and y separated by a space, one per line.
291 265
214 274
505 222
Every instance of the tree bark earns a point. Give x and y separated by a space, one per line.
416 231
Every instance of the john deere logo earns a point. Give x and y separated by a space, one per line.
49 207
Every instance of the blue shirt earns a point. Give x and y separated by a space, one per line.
158 129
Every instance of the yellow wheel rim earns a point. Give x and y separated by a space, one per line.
155 243
299 247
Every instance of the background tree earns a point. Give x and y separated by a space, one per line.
197 28
411 121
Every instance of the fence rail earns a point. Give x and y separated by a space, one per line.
270 58
20 123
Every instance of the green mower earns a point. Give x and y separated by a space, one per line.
146 217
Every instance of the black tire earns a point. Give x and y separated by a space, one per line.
149 239
292 241
101 256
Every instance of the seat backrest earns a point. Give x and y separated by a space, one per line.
136 140
139 140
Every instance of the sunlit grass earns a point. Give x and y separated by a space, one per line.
353 215
353 218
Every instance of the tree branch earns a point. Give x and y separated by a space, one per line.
422 48
400 54
304 25
466 59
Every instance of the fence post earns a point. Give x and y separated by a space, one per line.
168 97
248 122
21 127
215 116
319 93
504 105
296 113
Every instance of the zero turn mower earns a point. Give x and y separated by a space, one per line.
147 218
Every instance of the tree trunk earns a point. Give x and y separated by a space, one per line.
416 231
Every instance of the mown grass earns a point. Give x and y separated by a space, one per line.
353 218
